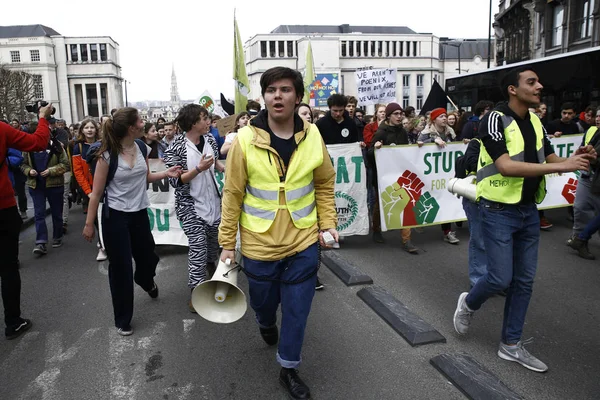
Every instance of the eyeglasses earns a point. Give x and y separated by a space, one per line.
398 113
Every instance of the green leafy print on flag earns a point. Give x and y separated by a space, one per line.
426 209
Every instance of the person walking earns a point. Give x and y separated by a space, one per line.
279 189
514 157
125 225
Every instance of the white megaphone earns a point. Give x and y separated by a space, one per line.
465 187
220 300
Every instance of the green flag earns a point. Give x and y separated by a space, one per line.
242 86
309 74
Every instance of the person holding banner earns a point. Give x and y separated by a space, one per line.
279 190
124 216
197 198
514 157
389 133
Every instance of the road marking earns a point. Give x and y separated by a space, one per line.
19 351
188 324
120 386
55 356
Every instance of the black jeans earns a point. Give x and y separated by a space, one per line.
10 226
128 234
20 190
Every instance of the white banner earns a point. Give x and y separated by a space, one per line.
376 86
163 220
350 189
413 183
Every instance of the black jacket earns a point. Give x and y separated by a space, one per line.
387 135
335 133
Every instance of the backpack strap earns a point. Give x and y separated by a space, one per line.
142 147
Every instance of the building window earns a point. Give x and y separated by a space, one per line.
92 100
103 55
387 49
414 49
351 48
272 52
419 102
281 48
74 54
557 29
405 101
84 52
373 53
406 80
104 97
35 55
394 49
365 48
263 49
290 48
15 56
380 48
38 87
344 50
583 23
420 79
93 52
401 46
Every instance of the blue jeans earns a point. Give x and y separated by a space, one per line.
477 257
511 235
54 195
592 227
295 299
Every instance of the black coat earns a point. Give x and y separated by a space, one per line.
387 135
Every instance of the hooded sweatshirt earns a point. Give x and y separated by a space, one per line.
282 239
336 133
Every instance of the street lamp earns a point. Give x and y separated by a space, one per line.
460 42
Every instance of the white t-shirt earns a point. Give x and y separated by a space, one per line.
127 190
230 137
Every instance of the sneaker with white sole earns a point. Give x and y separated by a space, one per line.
14 331
102 256
127 331
40 249
462 315
451 238
520 355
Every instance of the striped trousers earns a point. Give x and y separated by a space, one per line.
203 241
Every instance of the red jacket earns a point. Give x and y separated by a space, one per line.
369 132
10 137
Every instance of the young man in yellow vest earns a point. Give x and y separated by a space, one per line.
514 157
279 188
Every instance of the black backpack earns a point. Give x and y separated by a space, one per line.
92 157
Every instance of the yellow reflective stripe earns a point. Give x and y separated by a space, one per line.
262 193
300 192
257 212
491 170
303 212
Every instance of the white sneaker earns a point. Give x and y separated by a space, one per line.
462 315
101 255
520 355
451 238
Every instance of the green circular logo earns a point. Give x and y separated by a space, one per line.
207 103
346 215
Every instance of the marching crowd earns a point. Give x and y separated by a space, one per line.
278 198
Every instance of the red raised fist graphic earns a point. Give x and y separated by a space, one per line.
413 185
568 191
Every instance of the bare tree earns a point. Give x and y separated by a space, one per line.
17 90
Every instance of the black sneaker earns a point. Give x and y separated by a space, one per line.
13 332
582 248
378 237
319 285
154 291
289 379
40 249
57 243
270 335
126 331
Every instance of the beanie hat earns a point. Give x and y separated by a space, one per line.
391 108
436 113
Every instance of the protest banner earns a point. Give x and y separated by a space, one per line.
164 225
350 189
413 181
226 125
376 86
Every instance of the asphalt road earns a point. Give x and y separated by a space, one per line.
73 351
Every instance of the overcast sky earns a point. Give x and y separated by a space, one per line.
197 36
